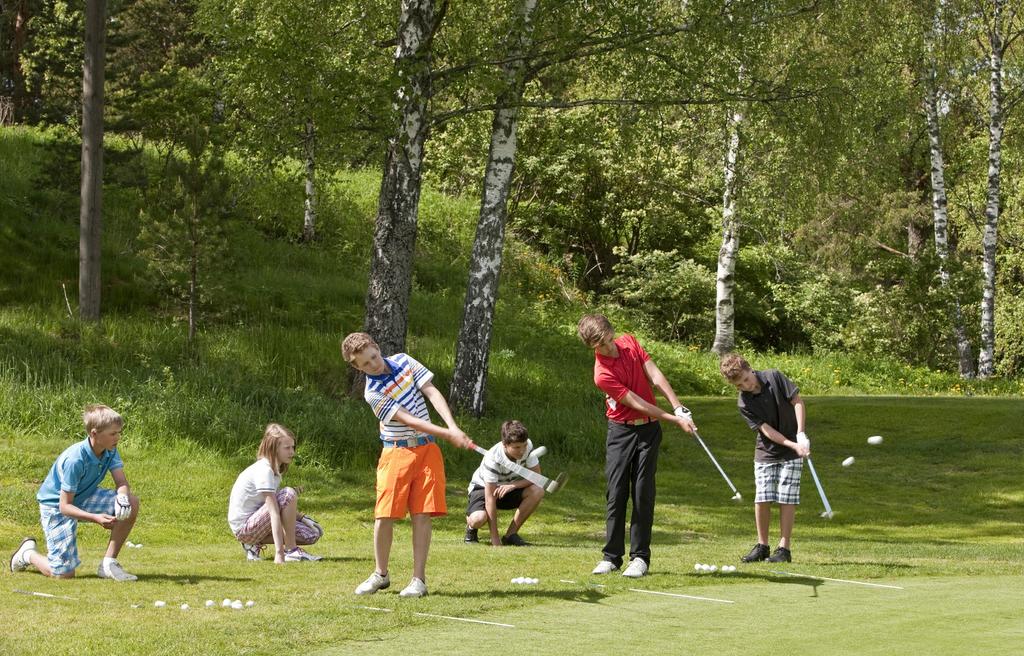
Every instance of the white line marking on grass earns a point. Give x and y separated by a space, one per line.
44 594
381 610
681 596
465 619
825 578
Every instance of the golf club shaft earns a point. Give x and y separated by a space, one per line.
817 484
718 466
528 474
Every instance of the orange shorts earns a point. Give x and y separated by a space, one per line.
410 481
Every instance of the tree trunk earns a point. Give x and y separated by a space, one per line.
91 210
940 219
725 310
472 352
986 359
394 238
309 218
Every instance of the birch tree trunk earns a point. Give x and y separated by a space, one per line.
940 215
986 359
91 208
309 216
725 309
472 352
394 238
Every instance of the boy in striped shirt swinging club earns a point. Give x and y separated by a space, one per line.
410 473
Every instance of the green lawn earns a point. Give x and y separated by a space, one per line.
936 510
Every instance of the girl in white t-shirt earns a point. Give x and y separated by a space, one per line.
260 514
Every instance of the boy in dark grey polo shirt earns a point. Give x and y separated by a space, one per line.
772 406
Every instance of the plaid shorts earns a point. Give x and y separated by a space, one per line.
257 528
778 482
61 530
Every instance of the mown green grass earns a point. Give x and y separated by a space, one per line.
936 509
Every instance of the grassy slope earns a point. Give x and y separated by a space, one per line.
937 508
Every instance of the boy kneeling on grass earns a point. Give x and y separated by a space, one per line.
410 473
71 493
772 407
495 486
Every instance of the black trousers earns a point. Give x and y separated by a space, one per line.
631 461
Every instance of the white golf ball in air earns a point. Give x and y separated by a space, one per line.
209 603
849 461
159 604
875 439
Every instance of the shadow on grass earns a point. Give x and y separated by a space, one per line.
583 596
189 579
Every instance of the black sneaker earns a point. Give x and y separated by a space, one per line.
758 553
514 540
781 555
471 535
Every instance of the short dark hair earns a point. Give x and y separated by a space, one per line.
513 431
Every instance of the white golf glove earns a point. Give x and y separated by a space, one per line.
683 411
802 440
122 507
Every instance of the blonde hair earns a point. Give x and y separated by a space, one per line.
272 437
593 328
100 417
732 365
354 343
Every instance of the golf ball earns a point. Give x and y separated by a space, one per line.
250 603
848 461
534 581
875 439
225 603
696 567
184 607
159 604
237 604
712 568
209 603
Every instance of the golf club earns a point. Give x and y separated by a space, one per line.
736 494
530 475
539 451
821 491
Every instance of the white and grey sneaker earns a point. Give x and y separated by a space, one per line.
111 569
252 551
297 554
636 568
19 559
416 588
373 584
605 567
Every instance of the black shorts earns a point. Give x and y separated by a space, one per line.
510 501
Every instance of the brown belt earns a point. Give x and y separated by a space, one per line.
636 422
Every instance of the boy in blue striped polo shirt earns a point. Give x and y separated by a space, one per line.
71 493
410 473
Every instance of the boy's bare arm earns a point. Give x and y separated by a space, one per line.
491 508
779 438
69 509
634 401
121 481
659 381
801 413
452 433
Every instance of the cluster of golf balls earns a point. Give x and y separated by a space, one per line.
210 603
703 567
525 580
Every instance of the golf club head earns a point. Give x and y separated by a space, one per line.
557 484
737 497
539 451
827 514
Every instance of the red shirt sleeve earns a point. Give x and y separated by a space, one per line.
609 384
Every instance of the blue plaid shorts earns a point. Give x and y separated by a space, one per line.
778 482
61 530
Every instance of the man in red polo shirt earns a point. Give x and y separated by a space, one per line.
625 373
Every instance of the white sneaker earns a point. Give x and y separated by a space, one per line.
373 584
19 560
252 551
416 588
636 568
112 570
297 554
605 567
